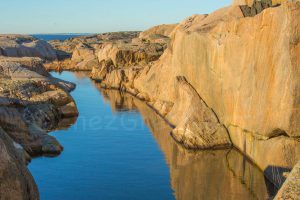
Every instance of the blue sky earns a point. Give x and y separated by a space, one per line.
96 16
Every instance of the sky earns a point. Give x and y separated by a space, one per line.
96 16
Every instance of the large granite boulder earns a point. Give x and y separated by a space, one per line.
25 46
197 125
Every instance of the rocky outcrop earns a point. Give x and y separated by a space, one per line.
160 30
15 181
80 53
121 62
122 55
25 46
32 103
85 56
83 59
247 83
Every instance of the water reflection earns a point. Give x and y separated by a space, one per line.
223 174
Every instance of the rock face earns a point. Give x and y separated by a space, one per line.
197 126
244 83
16 181
25 46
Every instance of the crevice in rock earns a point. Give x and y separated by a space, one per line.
275 133
2 53
278 132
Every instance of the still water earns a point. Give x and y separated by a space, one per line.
48 37
120 149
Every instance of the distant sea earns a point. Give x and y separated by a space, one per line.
48 37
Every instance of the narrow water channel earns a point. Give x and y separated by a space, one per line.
120 149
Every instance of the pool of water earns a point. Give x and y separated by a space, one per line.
120 149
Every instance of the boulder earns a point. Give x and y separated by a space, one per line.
197 126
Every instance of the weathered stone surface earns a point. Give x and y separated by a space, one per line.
159 31
80 53
25 46
84 57
130 54
197 125
291 188
120 63
32 103
31 63
238 101
16 182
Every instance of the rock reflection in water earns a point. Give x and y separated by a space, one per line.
222 174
